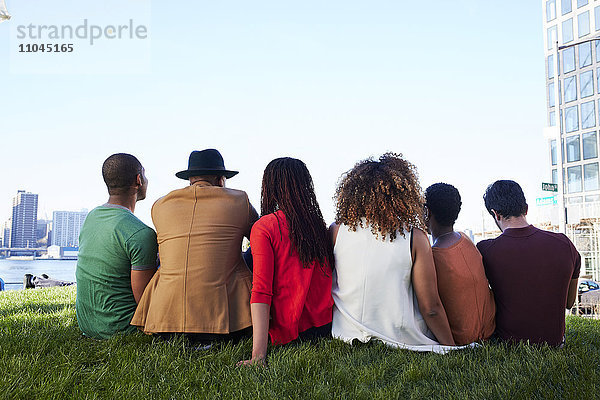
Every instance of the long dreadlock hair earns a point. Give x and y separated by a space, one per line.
288 186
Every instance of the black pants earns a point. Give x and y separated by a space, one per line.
208 338
315 333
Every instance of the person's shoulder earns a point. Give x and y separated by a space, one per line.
270 219
236 193
270 222
132 229
131 222
174 194
419 234
486 244
551 237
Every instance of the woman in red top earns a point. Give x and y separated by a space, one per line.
292 257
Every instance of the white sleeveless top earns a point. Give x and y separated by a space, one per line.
373 292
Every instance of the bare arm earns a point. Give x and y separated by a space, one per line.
139 281
260 331
333 231
572 293
424 281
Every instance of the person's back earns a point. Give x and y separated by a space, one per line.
109 245
203 284
292 257
117 253
299 296
532 272
384 278
529 270
462 284
464 291
202 288
373 292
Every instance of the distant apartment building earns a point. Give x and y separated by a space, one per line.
24 220
5 232
43 232
66 226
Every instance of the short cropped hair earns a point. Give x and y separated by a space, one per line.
120 172
506 198
443 201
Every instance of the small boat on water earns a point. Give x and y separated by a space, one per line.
4 15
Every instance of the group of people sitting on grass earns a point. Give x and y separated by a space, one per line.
372 275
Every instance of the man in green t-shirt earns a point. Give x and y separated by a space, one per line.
117 253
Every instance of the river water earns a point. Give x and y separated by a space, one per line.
12 271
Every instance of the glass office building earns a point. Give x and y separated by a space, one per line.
576 111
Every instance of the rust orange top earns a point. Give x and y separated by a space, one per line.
464 291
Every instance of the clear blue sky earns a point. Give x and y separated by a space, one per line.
457 87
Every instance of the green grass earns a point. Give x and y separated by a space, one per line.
43 355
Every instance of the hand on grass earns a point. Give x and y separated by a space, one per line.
259 361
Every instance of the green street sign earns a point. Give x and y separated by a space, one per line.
550 187
546 201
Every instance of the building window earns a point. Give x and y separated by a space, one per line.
565 6
592 198
571 119
573 153
551 66
585 54
554 176
590 145
581 3
590 177
553 152
550 10
551 102
597 17
588 115
570 88
569 59
551 37
552 118
575 200
574 179
567 30
583 24
586 80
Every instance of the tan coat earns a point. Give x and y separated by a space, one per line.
203 284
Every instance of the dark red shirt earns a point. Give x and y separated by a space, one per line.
300 297
529 271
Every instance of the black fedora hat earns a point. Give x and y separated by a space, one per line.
206 162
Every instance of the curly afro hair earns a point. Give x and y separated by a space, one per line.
443 201
384 194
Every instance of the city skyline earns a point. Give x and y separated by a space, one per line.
22 229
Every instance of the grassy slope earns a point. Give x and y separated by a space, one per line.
43 355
